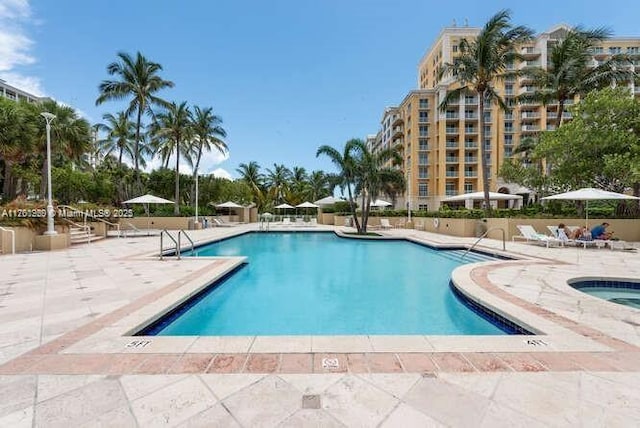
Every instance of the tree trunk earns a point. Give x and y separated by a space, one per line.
560 111
483 162
352 206
8 190
120 157
176 207
195 175
136 149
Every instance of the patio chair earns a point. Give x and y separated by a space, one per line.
219 223
384 223
286 221
529 234
313 222
400 224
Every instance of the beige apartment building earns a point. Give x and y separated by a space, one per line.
440 149
15 94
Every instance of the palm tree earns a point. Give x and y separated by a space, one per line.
120 136
171 132
480 64
346 175
250 174
569 72
317 186
138 81
207 133
17 132
70 136
277 182
373 174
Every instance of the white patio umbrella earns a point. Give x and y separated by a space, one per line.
588 194
307 205
229 204
148 199
329 200
284 207
380 203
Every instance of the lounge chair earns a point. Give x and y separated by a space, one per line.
384 223
400 224
300 222
286 221
529 234
313 222
219 223
419 225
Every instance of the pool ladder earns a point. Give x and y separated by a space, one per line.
175 242
484 235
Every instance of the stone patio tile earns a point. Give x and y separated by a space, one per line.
22 418
551 406
484 383
311 418
173 404
223 385
221 344
22 364
447 403
406 416
498 416
357 363
486 362
616 397
311 384
396 384
120 417
557 361
215 416
400 344
326 363
265 403
136 386
17 392
296 363
125 363
342 344
521 362
227 363
262 363
277 344
417 362
355 402
383 363
157 364
50 386
451 362
81 405
192 363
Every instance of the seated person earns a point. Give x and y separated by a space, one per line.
563 232
582 234
600 232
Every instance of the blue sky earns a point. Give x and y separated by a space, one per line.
286 76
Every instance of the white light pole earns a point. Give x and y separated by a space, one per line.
50 228
197 174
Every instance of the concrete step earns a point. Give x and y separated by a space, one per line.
83 239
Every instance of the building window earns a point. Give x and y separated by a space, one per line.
423 190
424 130
423 144
633 49
508 140
423 117
423 172
468 188
455 48
423 159
615 50
423 207
424 103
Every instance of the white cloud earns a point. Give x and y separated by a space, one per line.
222 173
15 45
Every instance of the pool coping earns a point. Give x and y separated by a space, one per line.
107 338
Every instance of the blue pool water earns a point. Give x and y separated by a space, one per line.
621 292
320 284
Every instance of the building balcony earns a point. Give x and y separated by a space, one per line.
529 53
451 174
471 101
470 145
451 131
471 159
529 115
452 116
451 144
397 120
530 128
450 193
471 174
471 116
470 131
452 159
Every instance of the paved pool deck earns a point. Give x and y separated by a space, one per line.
67 357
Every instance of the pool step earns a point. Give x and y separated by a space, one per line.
470 257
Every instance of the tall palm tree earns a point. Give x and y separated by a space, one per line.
250 174
345 177
317 186
569 72
138 81
17 135
481 63
207 134
120 136
373 175
171 132
277 181
70 136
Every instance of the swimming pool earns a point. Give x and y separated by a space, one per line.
621 292
320 284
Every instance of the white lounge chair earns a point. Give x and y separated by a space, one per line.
529 234
219 223
400 224
286 221
384 223
419 225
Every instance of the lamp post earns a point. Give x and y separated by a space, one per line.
50 228
197 175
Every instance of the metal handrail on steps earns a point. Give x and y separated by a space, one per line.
85 227
181 231
174 241
13 238
484 235
86 214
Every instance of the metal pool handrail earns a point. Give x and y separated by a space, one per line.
484 235
174 241
181 231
